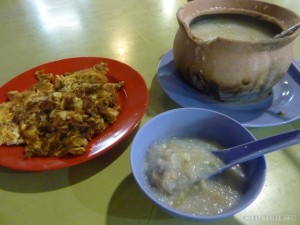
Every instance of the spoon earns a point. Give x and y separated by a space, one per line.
288 31
245 152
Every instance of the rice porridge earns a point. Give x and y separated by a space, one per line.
175 169
234 27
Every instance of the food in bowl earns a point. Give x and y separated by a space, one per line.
208 125
59 114
234 27
177 168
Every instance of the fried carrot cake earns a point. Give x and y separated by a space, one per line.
59 114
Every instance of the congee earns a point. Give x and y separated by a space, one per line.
235 27
176 169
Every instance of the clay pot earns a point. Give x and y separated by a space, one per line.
233 70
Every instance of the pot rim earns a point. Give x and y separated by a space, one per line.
255 8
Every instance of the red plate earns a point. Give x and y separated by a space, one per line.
133 99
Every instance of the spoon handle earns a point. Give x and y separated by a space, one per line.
288 31
251 150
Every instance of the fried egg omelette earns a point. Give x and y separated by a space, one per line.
59 114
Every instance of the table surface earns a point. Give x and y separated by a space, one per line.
103 190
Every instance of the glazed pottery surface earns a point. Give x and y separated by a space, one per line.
233 70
